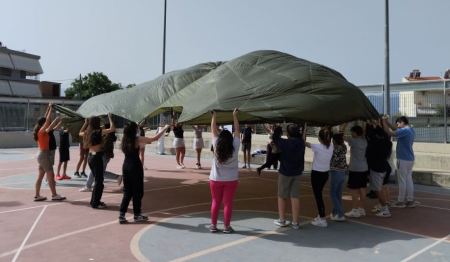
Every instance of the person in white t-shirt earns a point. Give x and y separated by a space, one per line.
319 173
224 175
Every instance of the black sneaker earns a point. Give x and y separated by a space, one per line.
122 220
76 174
140 218
83 174
101 205
258 171
228 230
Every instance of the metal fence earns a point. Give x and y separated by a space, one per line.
20 114
426 104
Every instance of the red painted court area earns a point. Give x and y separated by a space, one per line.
72 231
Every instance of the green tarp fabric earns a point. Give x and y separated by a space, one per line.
138 102
270 86
266 86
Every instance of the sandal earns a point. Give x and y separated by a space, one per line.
39 198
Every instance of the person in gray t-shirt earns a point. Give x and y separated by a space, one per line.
358 171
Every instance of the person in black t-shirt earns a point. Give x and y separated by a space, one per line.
64 154
178 143
246 140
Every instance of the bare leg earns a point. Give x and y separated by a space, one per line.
38 184
85 162
295 204
182 153
64 168
248 157
142 156
59 169
80 161
282 208
177 155
355 200
51 182
362 197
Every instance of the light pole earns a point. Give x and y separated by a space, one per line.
387 91
164 40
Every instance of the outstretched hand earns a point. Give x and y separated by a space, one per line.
235 111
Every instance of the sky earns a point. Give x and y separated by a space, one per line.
123 39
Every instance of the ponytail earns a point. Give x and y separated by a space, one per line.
38 127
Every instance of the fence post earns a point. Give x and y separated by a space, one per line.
27 114
445 112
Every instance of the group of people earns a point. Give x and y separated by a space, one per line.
370 150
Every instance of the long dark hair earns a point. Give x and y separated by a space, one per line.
93 124
37 127
224 148
325 137
129 138
277 133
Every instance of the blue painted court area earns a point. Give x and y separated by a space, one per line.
258 239
27 181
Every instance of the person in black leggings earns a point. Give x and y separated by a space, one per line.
319 174
92 139
133 172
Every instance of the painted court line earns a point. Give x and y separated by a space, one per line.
233 243
8 253
19 250
425 249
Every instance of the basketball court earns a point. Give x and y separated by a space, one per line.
178 202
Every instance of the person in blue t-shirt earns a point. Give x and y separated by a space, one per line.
405 158
292 160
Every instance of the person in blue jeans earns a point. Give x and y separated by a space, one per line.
338 171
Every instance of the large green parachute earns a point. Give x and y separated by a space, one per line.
266 86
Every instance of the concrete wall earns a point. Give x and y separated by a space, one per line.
20 139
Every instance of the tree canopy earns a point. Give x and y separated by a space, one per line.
92 84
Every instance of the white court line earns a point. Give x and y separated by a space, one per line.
19 250
87 198
425 249
231 244
8 253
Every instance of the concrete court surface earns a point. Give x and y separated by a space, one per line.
178 204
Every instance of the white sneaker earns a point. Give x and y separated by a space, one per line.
353 213
384 212
376 208
362 212
337 218
319 222
282 223
85 189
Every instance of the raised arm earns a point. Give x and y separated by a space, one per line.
214 132
387 126
58 125
83 128
237 131
48 117
53 125
149 140
112 127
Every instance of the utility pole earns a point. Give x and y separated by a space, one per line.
164 40
386 91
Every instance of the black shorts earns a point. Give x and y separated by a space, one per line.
357 180
246 146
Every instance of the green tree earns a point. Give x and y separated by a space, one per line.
130 85
92 84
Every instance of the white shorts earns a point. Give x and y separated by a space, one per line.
198 143
178 142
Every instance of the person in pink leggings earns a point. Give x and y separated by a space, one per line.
224 175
